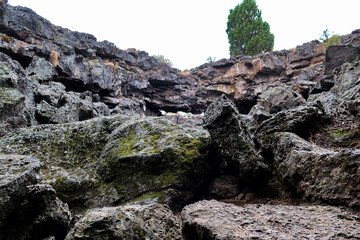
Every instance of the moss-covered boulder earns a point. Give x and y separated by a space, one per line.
110 160
70 154
153 158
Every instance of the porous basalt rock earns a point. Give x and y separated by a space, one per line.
151 221
316 173
207 220
234 143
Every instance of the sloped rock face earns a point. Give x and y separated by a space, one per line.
215 220
151 221
28 210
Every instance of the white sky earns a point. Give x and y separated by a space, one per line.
187 32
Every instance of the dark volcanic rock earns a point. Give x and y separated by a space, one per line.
233 143
16 97
212 220
317 173
302 120
28 210
152 158
151 221
337 55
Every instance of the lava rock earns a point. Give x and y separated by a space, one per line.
16 98
214 220
28 210
276 99
337 55
233 143
151 221
317 173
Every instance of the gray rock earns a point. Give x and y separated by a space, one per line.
70 153
337 55
16 98
316 173
302 120
136 158
56 105
212 220
153 158
28 210
329 101
152 221
40 70
279 98
233 143
347 81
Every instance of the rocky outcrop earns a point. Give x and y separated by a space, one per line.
151 221
131 80
215 220
28 210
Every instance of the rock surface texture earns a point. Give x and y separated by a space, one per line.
28 210
102 143
150 221
214 220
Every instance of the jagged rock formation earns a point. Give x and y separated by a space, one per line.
281 126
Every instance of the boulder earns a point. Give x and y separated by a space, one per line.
150 221
302 120
153 158
214 220
233 142
279 98
28 210
318 174
56 105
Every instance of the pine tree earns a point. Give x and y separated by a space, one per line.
248 34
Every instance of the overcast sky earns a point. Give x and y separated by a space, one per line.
187 32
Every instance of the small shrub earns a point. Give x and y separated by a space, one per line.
162 60
5 38
333 40
211 59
